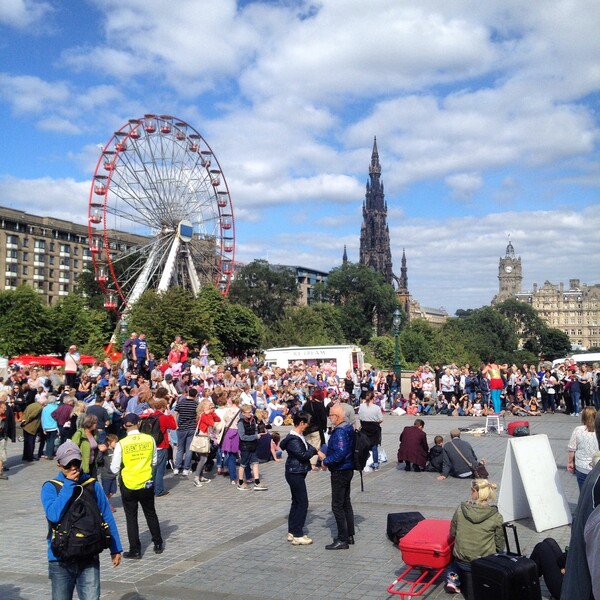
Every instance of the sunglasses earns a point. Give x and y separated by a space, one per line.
74 464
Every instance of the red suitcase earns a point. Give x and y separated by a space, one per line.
512 426
428 544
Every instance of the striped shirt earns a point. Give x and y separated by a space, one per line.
186 411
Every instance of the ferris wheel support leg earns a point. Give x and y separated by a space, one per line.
141 283
194 281
167 274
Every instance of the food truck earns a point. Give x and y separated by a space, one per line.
331 359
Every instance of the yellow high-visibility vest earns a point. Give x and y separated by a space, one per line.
137 451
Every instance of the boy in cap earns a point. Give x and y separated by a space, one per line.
85 572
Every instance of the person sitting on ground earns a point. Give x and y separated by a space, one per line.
459 458
550 561
435 458
477 531
413 447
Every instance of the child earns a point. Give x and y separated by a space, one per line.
249 437
109 479
435 456
276 451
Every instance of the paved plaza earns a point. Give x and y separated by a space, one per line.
223 544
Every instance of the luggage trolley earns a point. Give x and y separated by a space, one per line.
428 548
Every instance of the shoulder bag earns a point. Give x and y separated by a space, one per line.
479 471
200 442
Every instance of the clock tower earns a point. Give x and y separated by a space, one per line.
510 276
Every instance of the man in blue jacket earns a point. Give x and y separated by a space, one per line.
83 573
339 459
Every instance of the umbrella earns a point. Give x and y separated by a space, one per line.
24 359
50 361
86 359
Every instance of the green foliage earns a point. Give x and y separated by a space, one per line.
380 352
24 323
87 288
317 325
163 316
554 344
266 290
71 322
418 341
363 298
245 333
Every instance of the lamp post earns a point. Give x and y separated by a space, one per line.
396 321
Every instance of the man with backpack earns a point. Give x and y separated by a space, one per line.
339 459
81 526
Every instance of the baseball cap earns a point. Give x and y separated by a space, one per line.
131 418
67 452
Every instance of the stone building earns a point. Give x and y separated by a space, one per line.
574 309
510 275
48 254
374 233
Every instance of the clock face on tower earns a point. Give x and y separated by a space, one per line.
508 269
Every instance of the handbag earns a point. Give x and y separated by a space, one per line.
200 442
479 471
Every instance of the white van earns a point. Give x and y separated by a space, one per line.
330 358
590 358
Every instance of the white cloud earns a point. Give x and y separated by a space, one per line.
464 185
22 14
61 198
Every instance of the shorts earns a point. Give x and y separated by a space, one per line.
248 457
109 485
3 444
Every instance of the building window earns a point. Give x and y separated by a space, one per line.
65 262
51 246
11 254
25 256
24 269
50 286
75 263
25 242
12 239
51 273
39 244
76 251
11 268
65 248
51 260
39 271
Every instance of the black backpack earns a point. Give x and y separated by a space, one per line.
362 449
151 426
82 532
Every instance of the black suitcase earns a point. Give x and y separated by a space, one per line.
506 576
399 524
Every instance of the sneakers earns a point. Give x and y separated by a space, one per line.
3 476
175 471
452 588
244 487
301 541
197 483
204 480
290 537
185 472
260 487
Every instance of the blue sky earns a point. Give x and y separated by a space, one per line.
486 117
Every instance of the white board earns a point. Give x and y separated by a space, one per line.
531 486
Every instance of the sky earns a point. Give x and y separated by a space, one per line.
486 116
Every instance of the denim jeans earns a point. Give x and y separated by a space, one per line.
375 451
85 575
575 396
50 441
184 454
299 507
162 454
229 460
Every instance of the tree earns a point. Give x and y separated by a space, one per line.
366 302
24 322
554 343
71 322
162 316
418 341
245 333
380 351
265 289
317 325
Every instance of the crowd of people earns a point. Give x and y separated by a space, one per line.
132 419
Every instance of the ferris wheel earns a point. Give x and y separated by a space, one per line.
160 213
